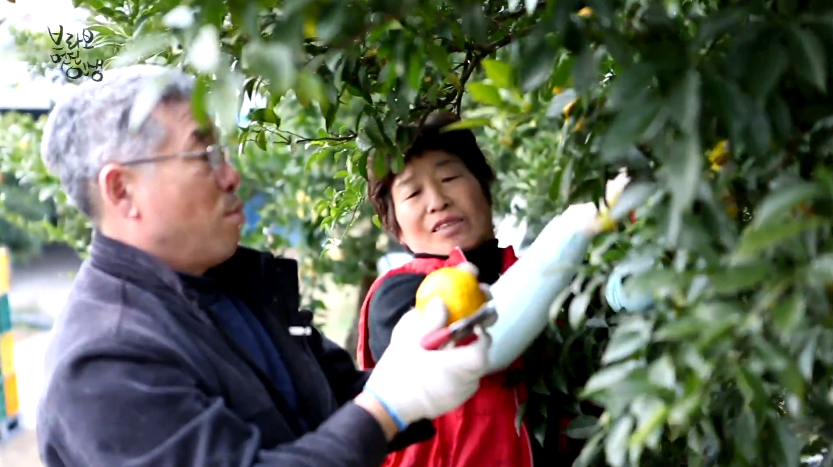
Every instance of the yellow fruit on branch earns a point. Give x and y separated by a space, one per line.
458 289
719 155
606 223
568 108
585 12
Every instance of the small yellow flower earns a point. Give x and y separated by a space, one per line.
585 12
580 124
556 90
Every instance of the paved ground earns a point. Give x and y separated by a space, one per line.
39 291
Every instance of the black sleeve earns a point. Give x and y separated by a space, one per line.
347 382
394 297
345 379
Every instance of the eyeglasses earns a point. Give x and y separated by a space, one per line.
213 154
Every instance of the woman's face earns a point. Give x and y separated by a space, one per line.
439 205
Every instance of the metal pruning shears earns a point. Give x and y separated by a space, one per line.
460 329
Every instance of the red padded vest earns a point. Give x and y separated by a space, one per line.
481 432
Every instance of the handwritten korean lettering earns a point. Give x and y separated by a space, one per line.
68 53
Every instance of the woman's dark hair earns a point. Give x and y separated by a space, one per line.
431 137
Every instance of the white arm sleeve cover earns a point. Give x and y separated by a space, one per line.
524 293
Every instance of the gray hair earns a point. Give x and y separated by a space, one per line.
95 125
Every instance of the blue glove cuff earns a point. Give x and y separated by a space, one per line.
620 300
396 419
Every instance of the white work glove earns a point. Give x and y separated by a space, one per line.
413 383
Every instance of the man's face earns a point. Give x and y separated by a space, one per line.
439 205
186 210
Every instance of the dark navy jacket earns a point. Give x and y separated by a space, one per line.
139 374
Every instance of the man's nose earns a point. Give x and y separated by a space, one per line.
228 178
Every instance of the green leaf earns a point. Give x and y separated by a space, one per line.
610 376
578 309
681 329
582 427
616 444
738 278
629 88
634 196
686 168
466 124
204 52
586 70
485 94
807 358
146 100
274 62
661 373
438 56
786 448
630 336
627 128
537 67
789 314
772 64
780 203
560 102
753 241
721 22
685 100
500 73
808 56
141 48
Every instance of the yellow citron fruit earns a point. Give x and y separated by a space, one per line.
310 29
585 12
568 108
458 289
606 223
719 155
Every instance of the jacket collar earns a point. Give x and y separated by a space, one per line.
243 273
131 264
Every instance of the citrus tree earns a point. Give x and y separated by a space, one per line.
719 110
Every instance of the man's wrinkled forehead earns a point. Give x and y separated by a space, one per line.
182 128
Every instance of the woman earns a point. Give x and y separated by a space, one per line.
440 201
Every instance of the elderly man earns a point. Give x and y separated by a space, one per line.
179 348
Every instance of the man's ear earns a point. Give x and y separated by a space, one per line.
115 184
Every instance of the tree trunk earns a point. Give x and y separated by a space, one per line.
352 339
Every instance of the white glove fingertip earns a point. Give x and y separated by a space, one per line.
433 317
468 267
472 358
487 291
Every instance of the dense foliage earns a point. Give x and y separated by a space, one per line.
719 109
